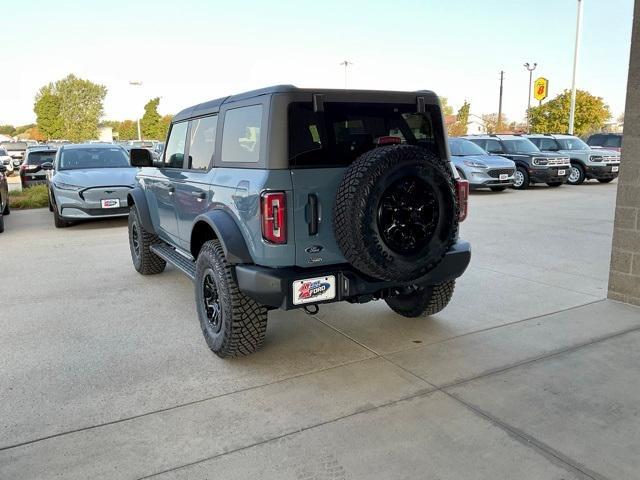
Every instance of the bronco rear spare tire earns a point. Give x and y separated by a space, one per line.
395 215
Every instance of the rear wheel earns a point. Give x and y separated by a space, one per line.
576 174
521 179
422 301
140 240
606 180
232 323
498 189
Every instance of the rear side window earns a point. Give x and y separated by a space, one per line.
241 135
38 158
174 153
546 144
344 131
202 142
596 140
494 146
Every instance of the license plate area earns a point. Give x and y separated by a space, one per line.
311 290
110 203
615 169
504 176
561 172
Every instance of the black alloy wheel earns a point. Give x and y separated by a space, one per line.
408 215
211 301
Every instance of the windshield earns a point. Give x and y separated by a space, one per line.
38 158
77 158
13 146
520 145
463 148
573 143
3 152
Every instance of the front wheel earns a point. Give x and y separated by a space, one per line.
606 180
422 301
59 221
7 209
232 323
140 240
521 179
576 175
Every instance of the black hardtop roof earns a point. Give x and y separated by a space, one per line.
214 105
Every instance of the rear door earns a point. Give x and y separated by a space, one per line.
193 190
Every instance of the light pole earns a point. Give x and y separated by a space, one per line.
499 126
531 69
572 109
345 63
135 83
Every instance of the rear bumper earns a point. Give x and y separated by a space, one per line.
274 286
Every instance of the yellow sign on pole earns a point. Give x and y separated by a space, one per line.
540 88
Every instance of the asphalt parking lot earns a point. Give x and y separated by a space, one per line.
528 374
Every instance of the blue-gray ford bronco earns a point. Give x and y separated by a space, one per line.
291 198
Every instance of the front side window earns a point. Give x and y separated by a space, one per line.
202 142
494 146
174 153
241 135
613 141
78 158
547 144
596 140
520 146
573 143
344 131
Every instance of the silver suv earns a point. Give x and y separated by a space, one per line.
586 162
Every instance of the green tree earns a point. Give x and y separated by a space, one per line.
47 110
7 130
165 123
444 105
459 127
70 108
553 116
23 128
150 124
128 130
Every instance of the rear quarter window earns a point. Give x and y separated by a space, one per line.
241 135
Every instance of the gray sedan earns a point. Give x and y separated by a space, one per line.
89 181
479 168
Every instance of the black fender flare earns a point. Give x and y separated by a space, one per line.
578 161
136 196
229 235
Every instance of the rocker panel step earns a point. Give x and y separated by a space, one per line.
168 253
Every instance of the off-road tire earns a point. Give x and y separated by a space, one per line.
357 209
422 303
581 177
144 260
242 322
59 221
526 183
554 184
606 180
498 189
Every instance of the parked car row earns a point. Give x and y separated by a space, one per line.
519 161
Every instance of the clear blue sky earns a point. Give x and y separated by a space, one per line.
190 51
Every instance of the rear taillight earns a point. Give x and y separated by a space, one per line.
462 195
273 209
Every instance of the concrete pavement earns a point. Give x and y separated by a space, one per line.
529 373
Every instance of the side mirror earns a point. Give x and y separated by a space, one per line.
140 157
47 166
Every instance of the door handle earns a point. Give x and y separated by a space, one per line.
199 195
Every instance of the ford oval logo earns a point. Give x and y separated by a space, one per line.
313 249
